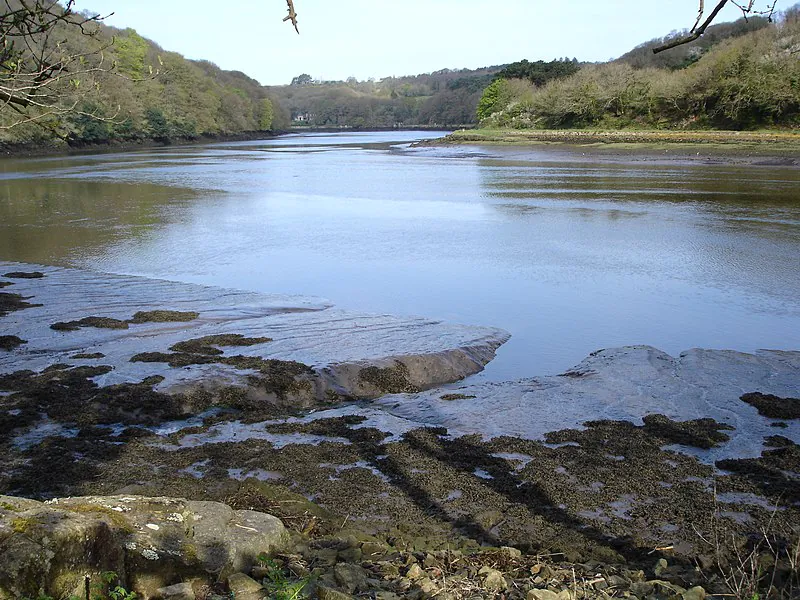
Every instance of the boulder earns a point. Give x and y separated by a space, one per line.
244 588
150 543
179 591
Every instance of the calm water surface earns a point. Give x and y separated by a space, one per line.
569 251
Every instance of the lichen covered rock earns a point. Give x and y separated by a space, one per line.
150 543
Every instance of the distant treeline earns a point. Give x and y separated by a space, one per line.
443 98
742 75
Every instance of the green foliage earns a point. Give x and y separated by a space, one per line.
279 584
680 57
304 79
131 51
540 72
108 588
157 125
443 98
745 82
267 115
495 97
184 100
86 128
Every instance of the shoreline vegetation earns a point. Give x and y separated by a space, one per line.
742 144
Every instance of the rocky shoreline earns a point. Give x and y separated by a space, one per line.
634 474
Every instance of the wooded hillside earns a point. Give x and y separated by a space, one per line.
144 92
444 98
743 75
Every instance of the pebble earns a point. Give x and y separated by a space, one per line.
695 593
542 595
414 572
179 591
493 580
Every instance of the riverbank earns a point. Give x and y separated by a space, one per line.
782 147
63 148
117 385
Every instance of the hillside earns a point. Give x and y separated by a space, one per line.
142 92
443 98
642 56
746 81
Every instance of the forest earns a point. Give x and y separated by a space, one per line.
129 90
445 98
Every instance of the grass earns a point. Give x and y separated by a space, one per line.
773 141
762 566
279 585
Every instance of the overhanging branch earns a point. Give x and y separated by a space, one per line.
696 31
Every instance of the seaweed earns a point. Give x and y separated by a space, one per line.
24 275
99 322
392 380
773 407
163 316
9 342
10 302
205 345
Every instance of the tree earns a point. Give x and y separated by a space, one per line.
267 115
303 79
38 65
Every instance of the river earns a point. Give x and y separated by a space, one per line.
570 250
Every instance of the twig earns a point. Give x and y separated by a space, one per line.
696 32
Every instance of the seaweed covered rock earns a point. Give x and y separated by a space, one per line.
150 543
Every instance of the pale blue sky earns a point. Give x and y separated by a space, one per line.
378 38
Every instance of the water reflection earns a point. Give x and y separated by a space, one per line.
53 221
568 250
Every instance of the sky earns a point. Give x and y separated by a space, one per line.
379 38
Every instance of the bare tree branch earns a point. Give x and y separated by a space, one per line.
41 76
748 9
696 31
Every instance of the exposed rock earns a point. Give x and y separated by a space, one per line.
326 593
695 593
542 595
414 572
511 553
626 384
493 579
179 591
350 577
317 354
151 543
244 588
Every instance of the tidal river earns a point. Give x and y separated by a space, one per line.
570 250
